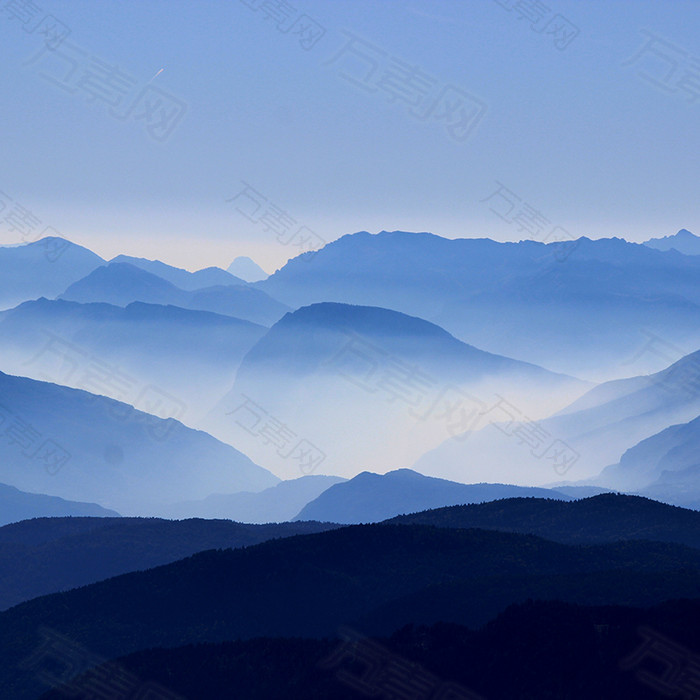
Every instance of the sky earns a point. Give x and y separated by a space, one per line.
195 132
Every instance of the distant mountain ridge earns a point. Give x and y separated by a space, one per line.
276 504
391 376
76 445
43 268
596 430
665 466
190 355
184 279
527 300
368 497
684 242
16 505
122 283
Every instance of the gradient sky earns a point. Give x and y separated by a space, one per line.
600 137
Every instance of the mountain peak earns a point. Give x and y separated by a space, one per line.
184 279
684 242
247 269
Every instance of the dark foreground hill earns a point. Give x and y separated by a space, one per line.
608 517
543 650
375 578
46 555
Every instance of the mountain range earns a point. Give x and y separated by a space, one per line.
368 498
593 432
276 504
177 344
470 360
192 356
578 307
607 517
51 554
183 279
665 466
79 446
42 269
684 242
123 283
16 505
402 383
372 578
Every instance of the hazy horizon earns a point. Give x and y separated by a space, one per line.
585 112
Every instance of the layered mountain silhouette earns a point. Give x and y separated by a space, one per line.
470 360
184 279
575 307
684 242
608 517
79 446
368 497
123 283
276 504
42 269
47 555
374 578
665 466
16 505
546 648
333 373
192 356
581 440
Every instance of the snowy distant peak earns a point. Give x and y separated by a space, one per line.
247 269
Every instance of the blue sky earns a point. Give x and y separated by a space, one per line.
588 122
